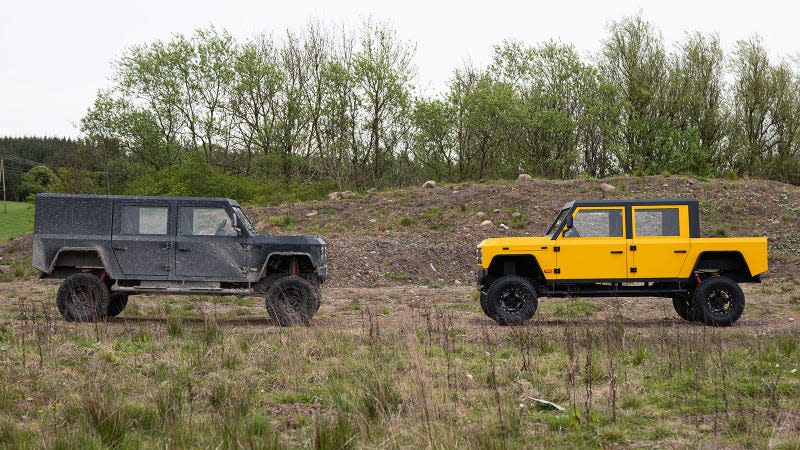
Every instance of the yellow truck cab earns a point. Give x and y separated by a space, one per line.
621 248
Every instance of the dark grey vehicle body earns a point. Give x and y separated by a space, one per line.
156 244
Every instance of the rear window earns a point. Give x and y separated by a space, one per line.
139 220
657 222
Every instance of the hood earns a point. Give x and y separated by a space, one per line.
531 243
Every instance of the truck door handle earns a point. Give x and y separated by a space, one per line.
616 252
680 251
120 249
183 249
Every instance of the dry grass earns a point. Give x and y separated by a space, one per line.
414 367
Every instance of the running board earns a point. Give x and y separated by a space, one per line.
611 292
183 290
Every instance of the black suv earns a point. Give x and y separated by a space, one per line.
109 247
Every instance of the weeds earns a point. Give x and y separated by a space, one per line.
419 377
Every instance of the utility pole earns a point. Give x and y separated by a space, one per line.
3 176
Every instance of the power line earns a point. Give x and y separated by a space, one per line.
17 159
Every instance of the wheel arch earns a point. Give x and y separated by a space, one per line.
68 260
281 262
524 265
730 263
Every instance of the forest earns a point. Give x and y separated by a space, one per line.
293 116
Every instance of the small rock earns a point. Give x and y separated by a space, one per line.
503 226
348 193
372 190
665 185
515 214
372 220
458 282
430 184
480 214
486 223
496 211
312 214
691 181
4 269
524 177
606 187
335 196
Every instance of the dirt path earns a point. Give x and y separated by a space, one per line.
770 307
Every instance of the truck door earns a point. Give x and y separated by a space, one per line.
142 237
595 247
660 241
208 246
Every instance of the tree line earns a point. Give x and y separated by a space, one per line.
319 109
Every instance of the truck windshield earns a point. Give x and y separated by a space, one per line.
244 220
558 220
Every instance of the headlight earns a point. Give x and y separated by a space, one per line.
479 255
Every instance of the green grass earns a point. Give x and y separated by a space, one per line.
434 378
17 221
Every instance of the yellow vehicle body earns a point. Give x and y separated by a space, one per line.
662 249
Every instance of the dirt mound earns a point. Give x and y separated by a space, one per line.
428 236
419 236
20 246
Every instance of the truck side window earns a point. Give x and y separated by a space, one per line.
596 223
205 222
137 220
657 222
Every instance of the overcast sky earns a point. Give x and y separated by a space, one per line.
55 56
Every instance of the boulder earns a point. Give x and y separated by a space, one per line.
430 184
606 187
524 177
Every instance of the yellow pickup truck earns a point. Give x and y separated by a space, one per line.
621 248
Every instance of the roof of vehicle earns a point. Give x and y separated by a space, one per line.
137 197
631 202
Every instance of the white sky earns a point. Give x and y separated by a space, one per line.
55 55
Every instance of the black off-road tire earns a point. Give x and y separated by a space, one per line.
684 306
718 301
482 291
117 303
82 297
511 300
485 303
292 301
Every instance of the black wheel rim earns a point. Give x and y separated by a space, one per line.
513 299
719 301
293 297
81 301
